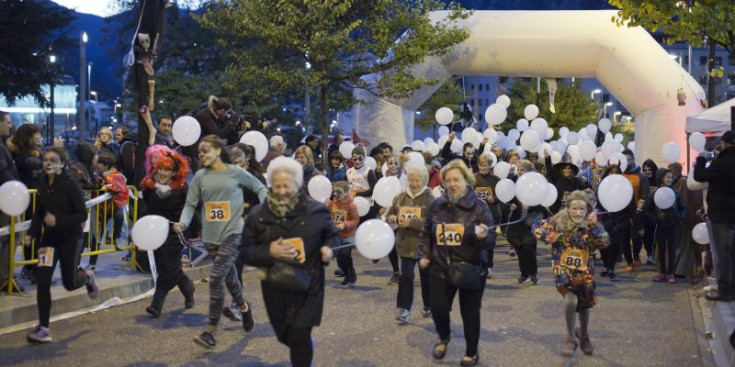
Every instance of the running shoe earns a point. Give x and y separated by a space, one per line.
711 287
512 252
611 275
660 278
39 335
232 312
247 318
426 312
339 273
403 316
534 280
489 273
394 279
206 340
671 279
469 360
524 280
154 312
584 342
605 272
92 289
570 346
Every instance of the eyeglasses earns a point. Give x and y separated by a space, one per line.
358 159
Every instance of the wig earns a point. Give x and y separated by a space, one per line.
153 153
174 162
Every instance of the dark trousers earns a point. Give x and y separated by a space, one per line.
170 274
667 238
632 237
611 253
344 259
405 284
527 260
393 258
68 255
470 302
649 240
118 218
301 349
723 252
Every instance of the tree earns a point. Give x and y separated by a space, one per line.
450 94
30 31
574 108
291 45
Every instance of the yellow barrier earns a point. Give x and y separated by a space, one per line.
98 198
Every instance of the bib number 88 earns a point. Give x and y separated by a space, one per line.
573 261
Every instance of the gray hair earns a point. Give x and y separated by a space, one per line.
288 165
277 140
421 171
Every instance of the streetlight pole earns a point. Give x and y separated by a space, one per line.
81 112
50 134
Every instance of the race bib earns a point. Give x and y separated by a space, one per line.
339 216
484 192
217 211
449 234
574 259
46 257
408 212
298 244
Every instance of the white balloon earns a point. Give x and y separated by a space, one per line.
374 239
631 146
513 135
433 148
346 149
572 138
418 145
503 100
385 190
491 135
555 157
531 188
600 159
415 159
591 131
186 130
549 133
362 204
608 136
530 112
563 131
618 137
371 163
151 231
700 234
530 140
587 150
540 125
670 151
618 158
615 192
456 146
664 197
608 147
522 125
550 197
496 114
442 130
428 140
521 151
545 149
442 140
320 189
444 116
15 198
505 190
258 141
697 141
501 169
605 124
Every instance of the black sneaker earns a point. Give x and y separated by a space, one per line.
534 280
345 282
231 312
611 275
206 340
605 272
339 273
426 312
154 312
247 318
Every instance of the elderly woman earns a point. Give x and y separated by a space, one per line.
573 234
292 231
408 212
457 230
304 156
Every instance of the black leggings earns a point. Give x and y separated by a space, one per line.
405 284
170 274
301 349
527 260
393 258
68 254
611 253
667 239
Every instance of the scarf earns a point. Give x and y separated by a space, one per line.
280 208
414 196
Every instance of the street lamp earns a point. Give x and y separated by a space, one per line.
50 134
82 85
604 109
94 93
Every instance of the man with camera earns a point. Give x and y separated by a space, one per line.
216 117
720 174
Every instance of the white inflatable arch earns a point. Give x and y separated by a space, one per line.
554 44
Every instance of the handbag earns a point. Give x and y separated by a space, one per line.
289 277
464 275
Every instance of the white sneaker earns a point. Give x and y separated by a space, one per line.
489 273
711 287
402 316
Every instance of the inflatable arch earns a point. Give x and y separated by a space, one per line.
554 44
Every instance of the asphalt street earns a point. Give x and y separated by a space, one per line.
635 323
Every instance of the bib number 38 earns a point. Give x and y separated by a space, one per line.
217 211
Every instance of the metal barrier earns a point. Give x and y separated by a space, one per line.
95 214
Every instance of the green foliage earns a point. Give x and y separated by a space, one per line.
574 108
682 20
30 31
271 41
450 94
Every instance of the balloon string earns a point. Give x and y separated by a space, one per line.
343 246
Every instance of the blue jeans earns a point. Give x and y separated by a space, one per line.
723 238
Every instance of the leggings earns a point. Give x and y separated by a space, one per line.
667 239
570 307
405 284
170 274
68 254
223 274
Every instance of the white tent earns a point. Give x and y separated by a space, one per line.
713 120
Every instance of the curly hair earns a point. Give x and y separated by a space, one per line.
562 220
23 139
172 161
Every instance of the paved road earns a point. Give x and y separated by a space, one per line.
636 323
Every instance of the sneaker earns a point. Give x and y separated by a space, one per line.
534 280
339 273
375 261
91 267
512 252
524 280
154 312
489 273
394 279
716 296
611 275
469 360
584 342
637 264
628 268
426 313
403 316
709 288
440 349
206 340
671 279
119 244
92 289
39 335
650 261
346 282
605 272
232 312
660 278
247 318
570 346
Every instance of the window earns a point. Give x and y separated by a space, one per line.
479 102
472 86
703 60
487 86
686 59
479 117
479 87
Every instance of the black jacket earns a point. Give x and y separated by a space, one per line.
721 177
65 200
448 156
312 222
250 198
30 169
563 185
8 171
